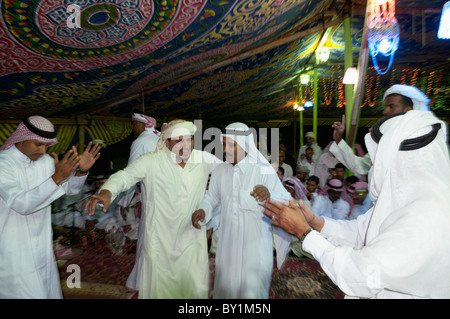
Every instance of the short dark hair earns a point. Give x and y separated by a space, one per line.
314 178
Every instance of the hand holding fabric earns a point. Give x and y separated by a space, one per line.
198 216
261 193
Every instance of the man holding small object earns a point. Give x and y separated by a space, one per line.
244 254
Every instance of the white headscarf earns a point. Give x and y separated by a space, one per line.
174 129
411 190
420 100
242 134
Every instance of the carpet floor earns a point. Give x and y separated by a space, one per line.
103 274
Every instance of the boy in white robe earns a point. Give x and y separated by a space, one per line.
31 181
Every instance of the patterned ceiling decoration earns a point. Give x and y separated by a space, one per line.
211 59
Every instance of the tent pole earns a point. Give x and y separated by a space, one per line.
316 102
348 62
359 87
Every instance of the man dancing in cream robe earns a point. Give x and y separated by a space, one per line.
244 254
30 181
174 253
400 247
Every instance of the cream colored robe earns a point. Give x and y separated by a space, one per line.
174 255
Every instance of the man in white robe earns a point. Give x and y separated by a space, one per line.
244 254
144 129
400 247
30 181
361 201
174 253
399 98
330 203
310 138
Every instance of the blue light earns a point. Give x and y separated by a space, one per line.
308 104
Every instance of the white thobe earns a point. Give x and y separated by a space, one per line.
27 261
357 164
244 254
174 253
145 143
323 206
400 247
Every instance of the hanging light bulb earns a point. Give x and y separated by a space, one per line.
350 76
304 78
295 106
444 25
322 54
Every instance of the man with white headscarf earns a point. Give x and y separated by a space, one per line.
174 253
399 98
244 253
144 130
399 248
310 142
30 181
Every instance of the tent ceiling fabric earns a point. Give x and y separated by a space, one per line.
219 61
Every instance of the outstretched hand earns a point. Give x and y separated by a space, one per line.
288 216
65 167
89 156
104 198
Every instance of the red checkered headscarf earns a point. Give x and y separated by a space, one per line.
32 128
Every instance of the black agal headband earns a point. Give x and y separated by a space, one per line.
38 131
408 144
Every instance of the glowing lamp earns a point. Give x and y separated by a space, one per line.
350 76
444 25
322 54
383 31
308 104
304 78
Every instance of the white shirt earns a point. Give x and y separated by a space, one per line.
311 166
27 261
244 255
323 206
174 253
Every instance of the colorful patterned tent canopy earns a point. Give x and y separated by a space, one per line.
219 61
